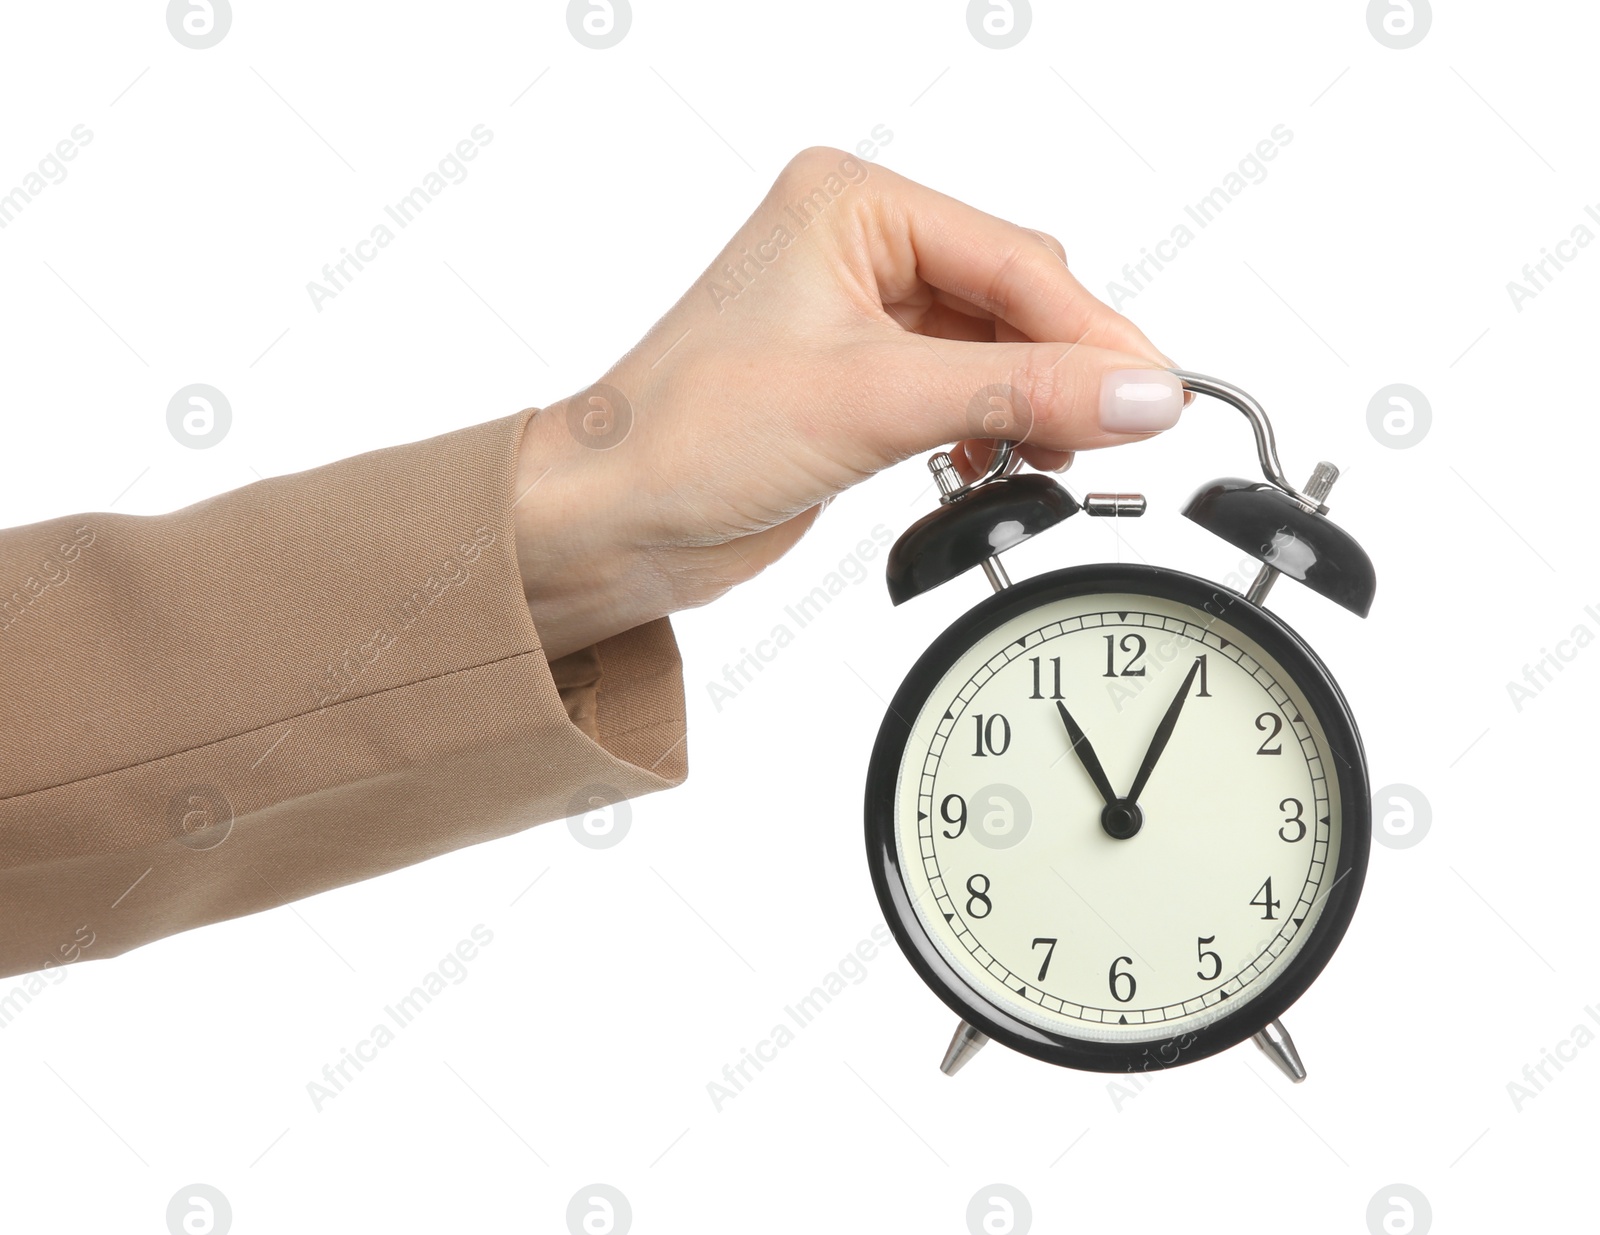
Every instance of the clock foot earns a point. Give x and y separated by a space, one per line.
1278 1046
966 1043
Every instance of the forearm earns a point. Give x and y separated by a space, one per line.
302 683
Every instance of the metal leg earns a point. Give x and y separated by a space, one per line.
966 1043
1278 1046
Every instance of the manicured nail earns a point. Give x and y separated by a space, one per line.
1139 401
1188 395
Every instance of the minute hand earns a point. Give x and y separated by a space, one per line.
1163 735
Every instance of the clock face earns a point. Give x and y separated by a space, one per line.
1125 807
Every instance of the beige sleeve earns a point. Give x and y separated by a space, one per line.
296 685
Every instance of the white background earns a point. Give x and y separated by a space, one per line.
1377 250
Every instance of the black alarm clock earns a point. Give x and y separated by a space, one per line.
1117 816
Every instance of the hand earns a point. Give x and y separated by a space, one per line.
1086 755
1163 734
853 321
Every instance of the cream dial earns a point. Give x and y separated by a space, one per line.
1020 865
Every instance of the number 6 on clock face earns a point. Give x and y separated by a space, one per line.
1117 814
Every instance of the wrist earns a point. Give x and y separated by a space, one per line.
587 569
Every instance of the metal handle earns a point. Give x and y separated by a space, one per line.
1266 445
1006 460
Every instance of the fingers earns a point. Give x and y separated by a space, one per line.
945 322
1008 271
1053 397
1036 456
973 457
1043 459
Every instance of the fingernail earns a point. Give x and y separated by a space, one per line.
1139 400
1188 395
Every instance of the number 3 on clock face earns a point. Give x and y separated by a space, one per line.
1118 815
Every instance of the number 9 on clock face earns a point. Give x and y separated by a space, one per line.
1117 815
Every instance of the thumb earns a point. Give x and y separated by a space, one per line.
1058 396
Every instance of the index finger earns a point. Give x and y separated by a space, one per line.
996 266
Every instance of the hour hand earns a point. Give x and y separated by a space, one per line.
1086 755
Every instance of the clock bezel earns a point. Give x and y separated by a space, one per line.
1298 661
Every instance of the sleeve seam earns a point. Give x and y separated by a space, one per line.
173 754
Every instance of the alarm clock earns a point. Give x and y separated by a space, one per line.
1117 816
